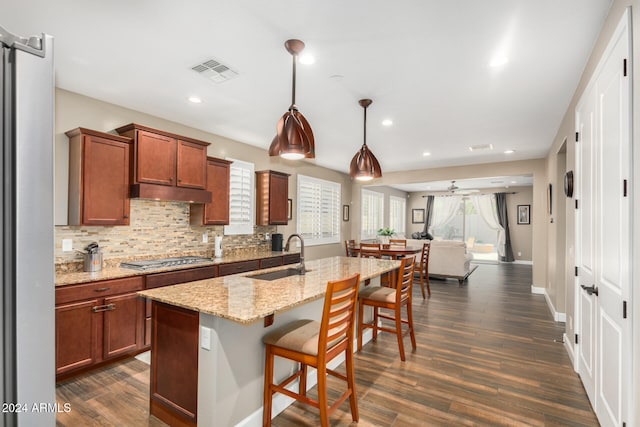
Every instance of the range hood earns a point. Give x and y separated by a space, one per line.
163 192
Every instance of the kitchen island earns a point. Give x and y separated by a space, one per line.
207 359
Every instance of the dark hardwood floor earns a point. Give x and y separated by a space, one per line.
489 354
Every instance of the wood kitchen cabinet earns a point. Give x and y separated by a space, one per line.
98 321
216 212
167 166
158 280
99 166
272 193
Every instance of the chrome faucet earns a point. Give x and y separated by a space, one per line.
301 269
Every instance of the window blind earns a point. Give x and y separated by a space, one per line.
372 213
241 197
397 214
318 211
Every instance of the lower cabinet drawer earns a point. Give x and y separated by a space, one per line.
181 276
238 267
271 262
291 259
65 294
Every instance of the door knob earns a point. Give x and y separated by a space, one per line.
590 289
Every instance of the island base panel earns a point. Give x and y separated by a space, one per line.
174 365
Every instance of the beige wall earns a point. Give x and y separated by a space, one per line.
73 110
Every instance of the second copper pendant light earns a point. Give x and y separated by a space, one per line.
364 165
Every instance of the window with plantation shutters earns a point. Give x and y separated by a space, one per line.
241 197
318 211
397 214
372 214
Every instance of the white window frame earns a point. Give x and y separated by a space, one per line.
369 226
398 214
318 210
248 193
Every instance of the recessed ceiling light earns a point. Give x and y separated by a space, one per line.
481 147
426 153
194 99
509 151
498 61
387 122
307 59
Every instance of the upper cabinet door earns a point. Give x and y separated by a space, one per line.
272 192
192 165
99 166
156 160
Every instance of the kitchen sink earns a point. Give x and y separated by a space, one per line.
279 274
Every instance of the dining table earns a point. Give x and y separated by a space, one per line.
393 251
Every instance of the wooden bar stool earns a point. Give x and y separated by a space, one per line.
312 343
423 268
370 250
393 299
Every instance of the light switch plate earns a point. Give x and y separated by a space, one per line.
205 238
67 245
205 338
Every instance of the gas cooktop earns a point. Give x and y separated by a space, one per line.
162 263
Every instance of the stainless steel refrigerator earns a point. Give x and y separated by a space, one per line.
27 355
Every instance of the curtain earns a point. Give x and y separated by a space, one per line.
486 206
428 215
501 208
444 209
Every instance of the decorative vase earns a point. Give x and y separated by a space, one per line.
384 240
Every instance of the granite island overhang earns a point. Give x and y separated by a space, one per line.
207 360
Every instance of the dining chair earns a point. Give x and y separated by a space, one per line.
312 343
381 297
370 250
349 245
398 242
422 268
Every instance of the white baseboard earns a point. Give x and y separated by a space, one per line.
568 345
557 316
281 402
538 290
521 261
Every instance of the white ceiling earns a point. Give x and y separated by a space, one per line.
468 184
423 62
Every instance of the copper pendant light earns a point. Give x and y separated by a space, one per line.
364 165
294 138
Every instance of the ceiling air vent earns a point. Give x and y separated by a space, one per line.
481 147
214 70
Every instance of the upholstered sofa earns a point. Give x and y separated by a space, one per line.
447 259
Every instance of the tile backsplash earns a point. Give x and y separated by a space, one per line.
157 229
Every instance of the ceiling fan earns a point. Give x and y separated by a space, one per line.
454 189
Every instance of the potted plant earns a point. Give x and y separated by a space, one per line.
385 233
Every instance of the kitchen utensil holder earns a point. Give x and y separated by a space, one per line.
93 262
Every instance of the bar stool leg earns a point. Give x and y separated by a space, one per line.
323 400
375 323
399 332
268 393
410 321
351 383
303 379
360 324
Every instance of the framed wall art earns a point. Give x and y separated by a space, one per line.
524 214
417 216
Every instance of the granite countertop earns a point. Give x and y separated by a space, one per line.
243 299
117 272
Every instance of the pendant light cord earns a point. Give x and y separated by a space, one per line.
293 84
365 126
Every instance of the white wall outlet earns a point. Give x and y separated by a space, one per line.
267 236
519 253
205 338
67 245
205 238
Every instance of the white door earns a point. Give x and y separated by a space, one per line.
604 224
585 240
